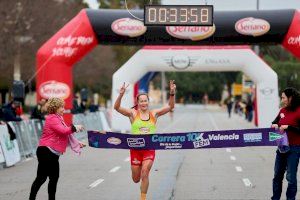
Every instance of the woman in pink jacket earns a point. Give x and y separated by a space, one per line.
53 143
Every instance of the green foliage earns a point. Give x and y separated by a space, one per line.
114 4
284 64
192 86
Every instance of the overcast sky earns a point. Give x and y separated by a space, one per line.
241 4
229 4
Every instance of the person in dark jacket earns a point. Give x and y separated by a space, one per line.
288 120
249 111
11 132
9 112
39 111
229 103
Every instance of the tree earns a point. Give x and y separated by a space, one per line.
26 25
192 86
288 71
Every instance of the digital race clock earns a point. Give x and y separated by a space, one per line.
178 15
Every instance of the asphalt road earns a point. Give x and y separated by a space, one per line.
219 174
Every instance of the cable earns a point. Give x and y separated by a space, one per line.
131 13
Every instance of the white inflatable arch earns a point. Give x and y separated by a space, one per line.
198 59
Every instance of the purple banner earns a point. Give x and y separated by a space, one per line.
189 140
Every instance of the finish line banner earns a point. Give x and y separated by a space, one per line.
189 140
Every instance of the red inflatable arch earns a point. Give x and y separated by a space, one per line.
90 27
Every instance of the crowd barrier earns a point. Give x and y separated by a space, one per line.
29 132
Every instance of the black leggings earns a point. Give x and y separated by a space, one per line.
48 167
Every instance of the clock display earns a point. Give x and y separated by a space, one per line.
178 15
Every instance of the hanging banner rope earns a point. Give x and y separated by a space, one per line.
188 140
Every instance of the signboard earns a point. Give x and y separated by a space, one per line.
10 148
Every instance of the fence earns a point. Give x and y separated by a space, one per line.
29 132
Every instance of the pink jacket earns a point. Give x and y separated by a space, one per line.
55 133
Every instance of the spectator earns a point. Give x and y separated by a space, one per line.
249 111
229 103
93 107
76 108
9 112
53 143
288 120
18 108
39 111
11 132
83 106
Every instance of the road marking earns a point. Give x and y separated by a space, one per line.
113 170
97 182
247 182
228 150
104 122
127 159
213 121
232 158
238 168
27 159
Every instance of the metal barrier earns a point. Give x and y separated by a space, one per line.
29 132
26 137
91 121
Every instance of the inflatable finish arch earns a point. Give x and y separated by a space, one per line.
185 58
114 27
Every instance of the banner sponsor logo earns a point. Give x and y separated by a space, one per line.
193 33
74 41
171 145
267 91
191 137
54 89
136 142
9 145
10 149
158 138
295 41
274 136
217 61
114 141
189 140
95 144
218 137
252 26
201 143
68 46
128 27
252 137
180 61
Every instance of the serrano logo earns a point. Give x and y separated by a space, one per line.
113 140
194 33
128 27
54 89
252 26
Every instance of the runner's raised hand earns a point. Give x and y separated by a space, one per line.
123 88
172 86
